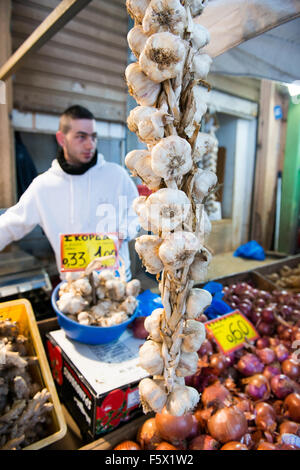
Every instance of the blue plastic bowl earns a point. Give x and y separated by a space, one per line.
88 334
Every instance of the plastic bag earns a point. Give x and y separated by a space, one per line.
250 250
148 301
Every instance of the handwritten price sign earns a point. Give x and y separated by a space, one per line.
231 330
78 250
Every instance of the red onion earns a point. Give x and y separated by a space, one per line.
204 442
205 349
262 343
194 429
271 370
245 308
258 387
281 386
265 329
138 328
267 315
266 355
281 352
291 405
215 394
249 364
265 418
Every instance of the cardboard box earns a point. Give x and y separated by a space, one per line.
98 384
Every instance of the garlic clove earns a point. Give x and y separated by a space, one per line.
194 334
150 357
182 400
152 324
171 157
165 15
137 9
136 39
152 395
178 250
163 57
142 88
166 209
197 301
147 248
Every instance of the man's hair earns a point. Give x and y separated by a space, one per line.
73 112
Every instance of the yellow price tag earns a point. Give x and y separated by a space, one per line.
230 331
78 250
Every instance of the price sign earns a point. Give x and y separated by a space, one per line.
231 330
78 250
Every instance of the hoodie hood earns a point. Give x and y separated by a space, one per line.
57 169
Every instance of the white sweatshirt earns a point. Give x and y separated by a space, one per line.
100 200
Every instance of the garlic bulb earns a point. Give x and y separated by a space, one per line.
200 36
142 88
152 324
197 301
149 123
84 318
139 161
100 292
138 114
195 108
115 319
147 248
136 39
137 8
115 289
105 275
70 303
163 57
200 66
204 182
187 364
164 15
129 305
182 400
178 250
82 286
133 287
166 209
204 144
171 157
194 334
139 206
152 395
72 276
196 6
150 357
101 309
198 268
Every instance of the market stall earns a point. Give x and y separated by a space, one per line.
200 349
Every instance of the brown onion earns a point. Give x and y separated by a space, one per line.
166 446
291 406
127 445
148 436
227 424
289 427
218 363
173 428
291 368
266 446
234 445
204 442
265 418
215 394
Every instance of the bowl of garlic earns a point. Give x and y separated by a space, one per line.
95 309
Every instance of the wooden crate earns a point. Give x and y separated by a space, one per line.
291 262
21 311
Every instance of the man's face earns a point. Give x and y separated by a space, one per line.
79 143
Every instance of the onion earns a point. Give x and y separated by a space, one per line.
234 445
250 364
215 394
291 405
205 349
264 328
271 370
127 445
138 328
218 363
204 442
166 446
173 428
148 436
266 355
291 368
262 343
282 353
266 446
194 429
281 386
227 424
267 315
258 387
265 417
289 427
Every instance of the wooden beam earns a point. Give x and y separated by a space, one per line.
63 13
7 161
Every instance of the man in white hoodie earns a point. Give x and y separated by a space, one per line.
79 193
